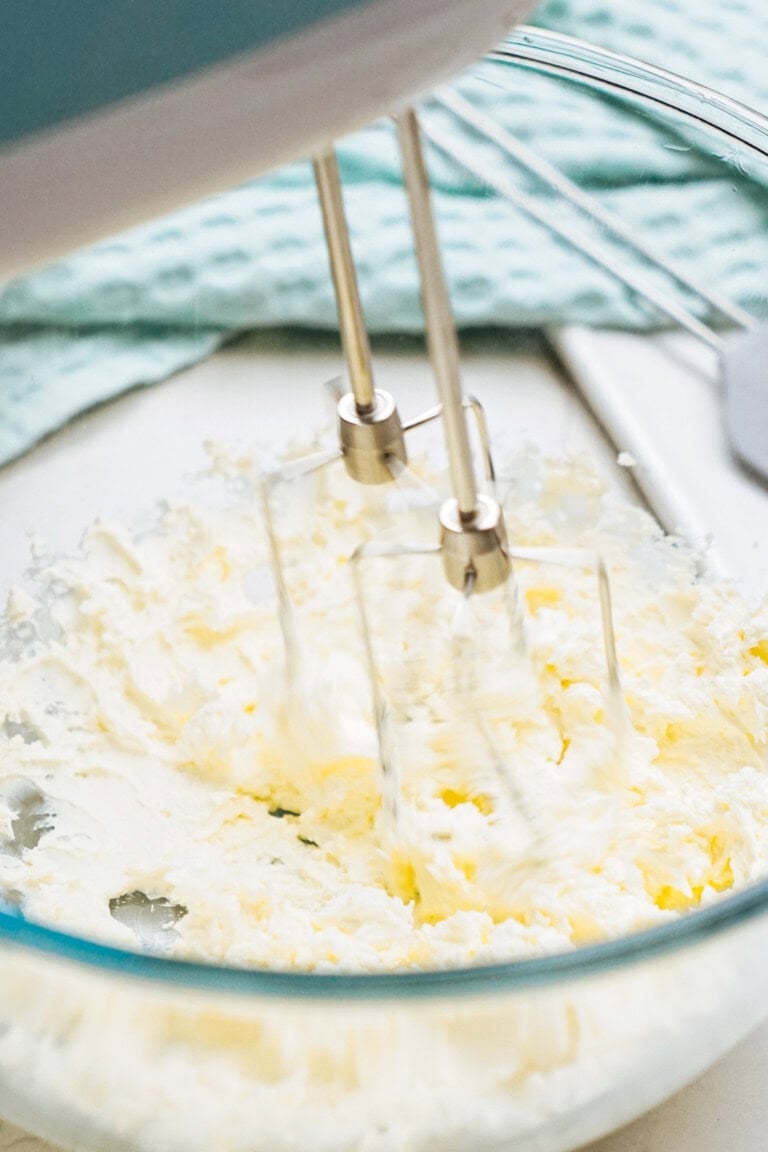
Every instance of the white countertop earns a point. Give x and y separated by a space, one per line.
659 398
646 391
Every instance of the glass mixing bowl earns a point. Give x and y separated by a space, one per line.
105 1049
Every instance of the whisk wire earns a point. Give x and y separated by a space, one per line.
632 279
591 561
472 404
546 172
389 771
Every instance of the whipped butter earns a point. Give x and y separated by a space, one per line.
156 755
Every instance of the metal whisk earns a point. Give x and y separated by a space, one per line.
473 545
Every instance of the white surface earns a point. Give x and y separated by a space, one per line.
659 399
121 457
527 399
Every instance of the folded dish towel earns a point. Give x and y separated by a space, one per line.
138 307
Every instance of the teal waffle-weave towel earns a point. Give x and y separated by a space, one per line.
140 306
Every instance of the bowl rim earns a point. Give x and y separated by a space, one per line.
621 77
728 913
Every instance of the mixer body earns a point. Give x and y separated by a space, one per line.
113 116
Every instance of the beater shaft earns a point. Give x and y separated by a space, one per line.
370 431
441 331
354 335
473 537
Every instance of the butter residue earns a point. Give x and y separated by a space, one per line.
144 698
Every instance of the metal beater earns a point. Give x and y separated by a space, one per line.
473 545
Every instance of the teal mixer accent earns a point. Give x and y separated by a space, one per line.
65 60
137 307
